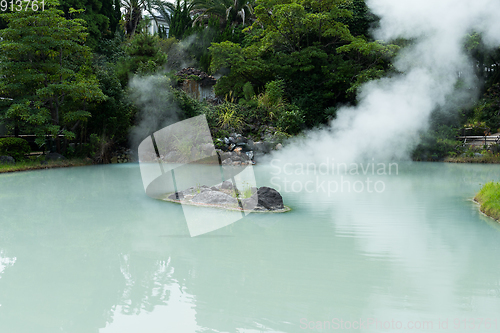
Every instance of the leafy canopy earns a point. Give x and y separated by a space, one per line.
307 44
44 70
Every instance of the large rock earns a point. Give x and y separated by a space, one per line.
7 160
263 147
207 149
190 191
54 157
226 155
269 198
226 185
241 139
250 203
214 198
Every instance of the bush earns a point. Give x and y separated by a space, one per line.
189 106
228 117
15 147
248 91
437 144
495 148
476 128
273 95
290 119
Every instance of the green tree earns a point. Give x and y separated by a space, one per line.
488 108
306 44
113 117
360 20
133 15
143 55
487 60
111 9
3 23
45 71
99 17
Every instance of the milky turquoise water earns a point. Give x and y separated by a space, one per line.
85 250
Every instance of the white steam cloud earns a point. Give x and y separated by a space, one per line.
153 97
156 107
392 111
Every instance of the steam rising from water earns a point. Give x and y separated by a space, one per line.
392 111
153 98
156 107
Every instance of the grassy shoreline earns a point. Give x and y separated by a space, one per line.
487 159
489 200
36 165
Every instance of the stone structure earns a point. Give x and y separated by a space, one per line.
197 84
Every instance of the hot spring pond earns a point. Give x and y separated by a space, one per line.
85 250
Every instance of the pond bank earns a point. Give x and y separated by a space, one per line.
486 159
489 199
37 165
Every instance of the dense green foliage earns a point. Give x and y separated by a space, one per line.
488 109
101 17
489 198
487 60
180 19
46 73
113 117
440 141
77 68
436 144
307 45
15 147
143 55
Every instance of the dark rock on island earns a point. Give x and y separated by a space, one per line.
269 198
225 195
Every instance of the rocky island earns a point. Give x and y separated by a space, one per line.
226 196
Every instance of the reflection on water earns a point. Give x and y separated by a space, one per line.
5 262
84 250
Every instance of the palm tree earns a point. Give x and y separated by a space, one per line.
178 16
135 8
228 11
133 15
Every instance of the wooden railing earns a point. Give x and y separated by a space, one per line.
484 138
